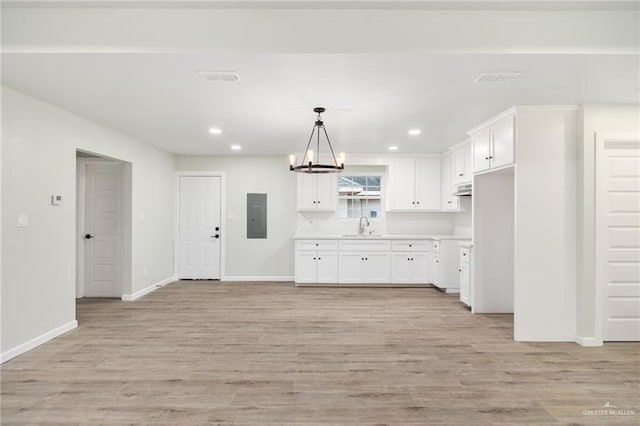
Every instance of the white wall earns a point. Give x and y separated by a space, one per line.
593 119
254 258
39 143
462 220
545 231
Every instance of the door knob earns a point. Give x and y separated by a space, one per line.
215 236
88 237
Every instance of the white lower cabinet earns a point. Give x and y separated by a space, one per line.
316 262
435 269
465 286
364 267
465 275
317 267
445 265
378 261
410 268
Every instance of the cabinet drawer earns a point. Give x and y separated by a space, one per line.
410 245
359 245
436 246
316 245
465 254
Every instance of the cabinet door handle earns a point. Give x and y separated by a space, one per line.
318 202
413 202
366 258
491 156
459 270
319 258
461 174
464 254
486 158
412 258
314 258
314 202
417 202
409 245
408 258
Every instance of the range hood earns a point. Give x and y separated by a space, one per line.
463 190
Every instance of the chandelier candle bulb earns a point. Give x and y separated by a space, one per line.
292 160
310 156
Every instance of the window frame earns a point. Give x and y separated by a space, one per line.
383 180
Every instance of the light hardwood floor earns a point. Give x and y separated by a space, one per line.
273 354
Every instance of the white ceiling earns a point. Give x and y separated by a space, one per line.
378 77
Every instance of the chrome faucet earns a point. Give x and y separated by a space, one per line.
362 225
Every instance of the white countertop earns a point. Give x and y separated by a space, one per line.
381 237
467 244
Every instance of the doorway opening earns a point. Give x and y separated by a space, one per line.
103 226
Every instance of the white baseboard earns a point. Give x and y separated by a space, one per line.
257 278
147 290
588 341
37 341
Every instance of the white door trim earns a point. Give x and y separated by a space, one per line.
600 233
223 218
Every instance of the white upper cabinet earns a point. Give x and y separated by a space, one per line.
428 184
503 135
401 185
481 150
317 192
462 165
492 144
413 184
449 202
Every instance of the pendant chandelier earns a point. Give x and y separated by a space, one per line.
307 164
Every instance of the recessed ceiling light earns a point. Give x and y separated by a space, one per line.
496 77
219 75
236 147
215 131
393 148
414 132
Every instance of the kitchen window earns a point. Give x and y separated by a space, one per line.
359 196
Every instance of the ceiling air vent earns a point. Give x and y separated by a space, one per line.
219 75
496 77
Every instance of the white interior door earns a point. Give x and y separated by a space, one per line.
199 227
618 236
103 230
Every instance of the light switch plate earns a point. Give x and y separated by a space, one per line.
23 220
